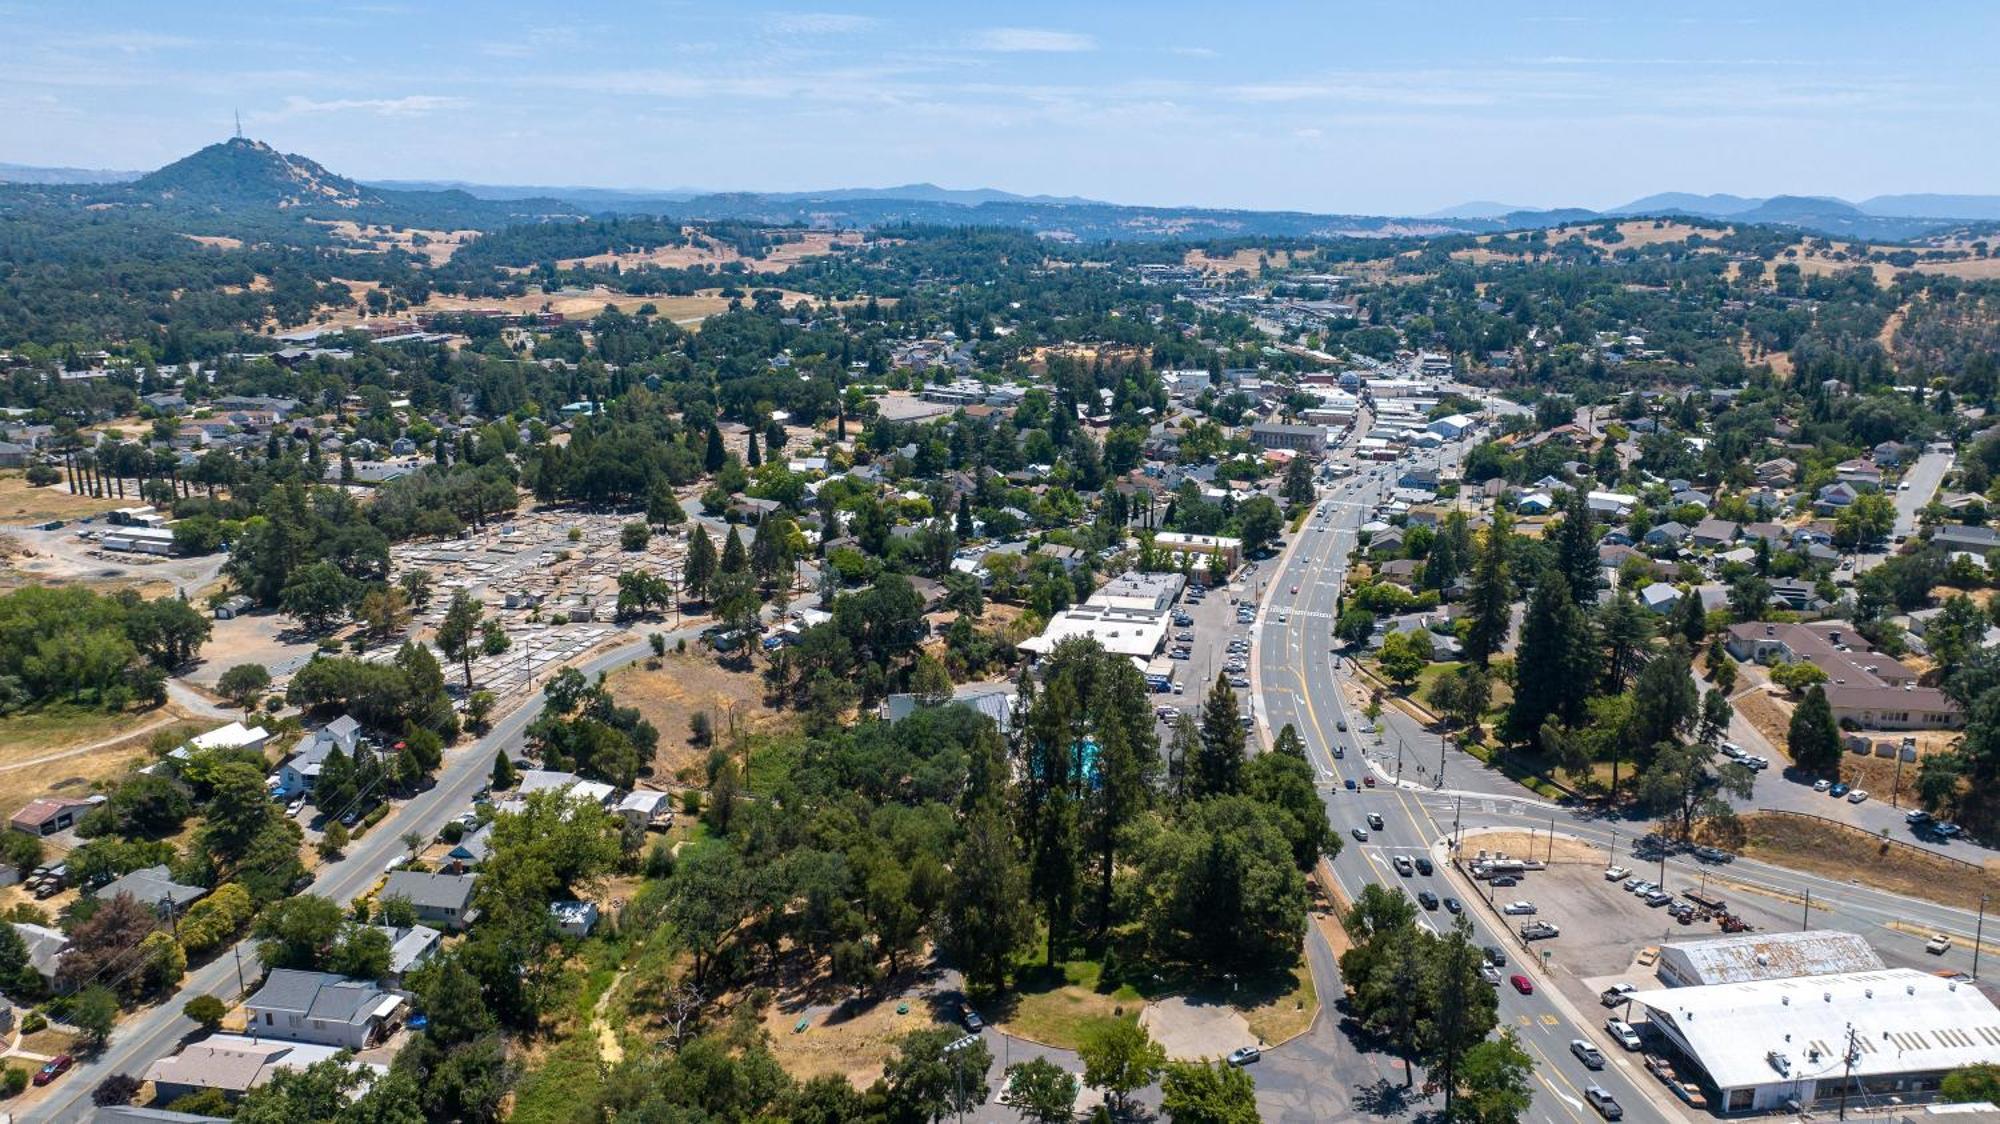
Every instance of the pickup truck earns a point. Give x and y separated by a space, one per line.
1939 944
1615 994
1539 930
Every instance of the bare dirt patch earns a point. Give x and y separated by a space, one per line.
1248 260
1836 851
436 245
1770 715
685 684
1533 845
215 241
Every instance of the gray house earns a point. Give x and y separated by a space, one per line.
153 886
301 770
321 1007
441 899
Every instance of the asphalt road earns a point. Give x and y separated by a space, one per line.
1297 682
1923 479
157 1031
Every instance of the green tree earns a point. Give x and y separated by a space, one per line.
1355 627
244 684
318 595
1495 1082
1404 656
504 775
929 1081
634 536
735 559
458 630
1977 1082
1556 663
990 917
1208 1093
1218 767
206 1010
1298 486
1119 1057
1680 783
1813 739
94 1011
1491 599
1576 547
698 572
1042 1091
1623 630
708 900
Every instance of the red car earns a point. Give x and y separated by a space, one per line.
54 1068
1522 984
1369 780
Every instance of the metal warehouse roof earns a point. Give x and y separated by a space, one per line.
1744 957
1905 1021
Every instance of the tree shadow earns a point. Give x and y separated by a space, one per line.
1384 1097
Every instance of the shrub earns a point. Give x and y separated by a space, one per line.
206 1010
13 1080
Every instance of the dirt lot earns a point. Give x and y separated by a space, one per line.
1833 851
684 684
1521 844
268 638
72 753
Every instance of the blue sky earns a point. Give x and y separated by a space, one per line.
1336 105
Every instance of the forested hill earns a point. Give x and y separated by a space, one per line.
249 181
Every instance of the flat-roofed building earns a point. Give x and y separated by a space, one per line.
1744 957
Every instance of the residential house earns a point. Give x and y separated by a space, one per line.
1834 497
1714 532
233 1064
1863 474
45 947
471 849
321 1007
645 808
1958 536
1611 505
1771 533
1660 598
1386 543
1535 503
1778 472
13 454
154 887
301 770
1796 595
441 899
409 948
1401 571
1668 534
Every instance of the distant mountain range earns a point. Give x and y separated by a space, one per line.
250 178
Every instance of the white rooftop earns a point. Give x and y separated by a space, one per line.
1905 1021
232 736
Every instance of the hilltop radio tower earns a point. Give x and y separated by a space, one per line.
239 124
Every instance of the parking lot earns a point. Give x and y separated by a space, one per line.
1212 624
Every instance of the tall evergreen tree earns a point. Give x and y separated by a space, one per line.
1814 737
963 526
1576 547
750 457
1492 598
698 572
1218 767
1623 628
713 459
1556 663
1689 620
735 559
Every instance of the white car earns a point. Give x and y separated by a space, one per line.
1623 1032
1857 796
1616 874
1822 784
1519 908
296 806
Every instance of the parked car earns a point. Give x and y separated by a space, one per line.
970 1018
1521 984
1822 784
1939 944
1504 880
1586 1053
1539 931
1244 1055
1837 791
1606 1105
1623 1032
1658 898
1918 816
1518 908
1615 994
1857 796
1616 874
53 1068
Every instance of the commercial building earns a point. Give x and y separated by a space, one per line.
1295 438
1129 616
1809 1040
1748 957
1205 546
1866 689
139 540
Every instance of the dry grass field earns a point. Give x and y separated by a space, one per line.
687 683
780 258
1834 851
20 503
439 245
1246 260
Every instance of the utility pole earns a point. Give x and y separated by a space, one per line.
1806 922
1443 744
1551 860
1847 1072
1978 932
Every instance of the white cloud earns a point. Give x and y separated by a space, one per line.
818 23
413 105
1031 39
